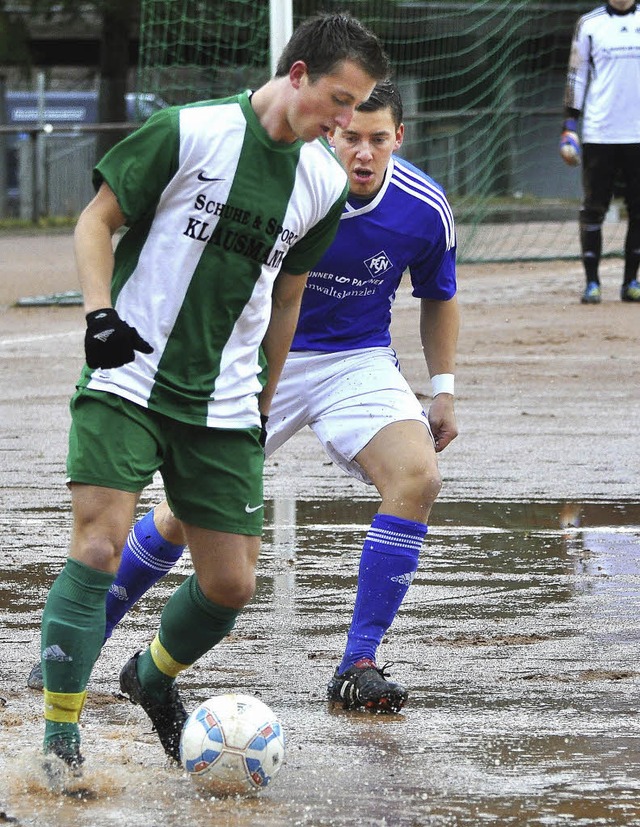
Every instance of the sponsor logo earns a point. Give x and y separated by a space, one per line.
377 264
104 335
203 177
119 592
404 579
56 653
251 508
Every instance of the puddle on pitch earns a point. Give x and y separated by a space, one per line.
519 642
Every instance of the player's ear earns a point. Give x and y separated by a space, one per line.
399 136
297 73
331 137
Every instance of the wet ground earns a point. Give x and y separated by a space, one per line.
519 639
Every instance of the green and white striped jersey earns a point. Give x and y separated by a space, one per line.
215 209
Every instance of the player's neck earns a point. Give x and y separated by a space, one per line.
269 104
358 201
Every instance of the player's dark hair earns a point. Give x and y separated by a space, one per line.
325 40
385 95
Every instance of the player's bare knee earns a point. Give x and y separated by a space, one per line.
97 551
432 485
414 491
233 592
423 483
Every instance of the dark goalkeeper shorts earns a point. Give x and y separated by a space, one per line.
212 477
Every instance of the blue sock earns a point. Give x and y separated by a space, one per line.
146 557
388 565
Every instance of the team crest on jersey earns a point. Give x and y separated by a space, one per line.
378 264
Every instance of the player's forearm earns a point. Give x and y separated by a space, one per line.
439 330
94 261
276 344
285 311
574 93
93 245
276 355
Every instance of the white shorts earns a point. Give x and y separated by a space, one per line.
345 398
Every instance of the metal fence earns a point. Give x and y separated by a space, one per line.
46 171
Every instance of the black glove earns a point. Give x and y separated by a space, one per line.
109 342
263 429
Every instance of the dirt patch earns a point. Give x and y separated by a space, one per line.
547 388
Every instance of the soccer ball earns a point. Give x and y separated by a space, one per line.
232 744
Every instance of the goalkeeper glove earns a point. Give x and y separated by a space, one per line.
570 143
109 342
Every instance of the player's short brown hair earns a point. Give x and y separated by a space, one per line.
385 95
325 40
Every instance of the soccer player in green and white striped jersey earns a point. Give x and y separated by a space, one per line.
227 204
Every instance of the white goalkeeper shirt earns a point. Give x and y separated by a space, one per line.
603 80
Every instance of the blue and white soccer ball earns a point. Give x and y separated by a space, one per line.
232 745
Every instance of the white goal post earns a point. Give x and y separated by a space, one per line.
280 29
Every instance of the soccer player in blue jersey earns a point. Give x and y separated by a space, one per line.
342 379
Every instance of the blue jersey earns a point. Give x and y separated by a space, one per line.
348 298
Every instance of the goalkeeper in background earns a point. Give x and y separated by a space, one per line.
603 85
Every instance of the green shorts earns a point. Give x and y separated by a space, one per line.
212 477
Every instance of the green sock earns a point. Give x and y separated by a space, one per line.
69 732
190 626
73 624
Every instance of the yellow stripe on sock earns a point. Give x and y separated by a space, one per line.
63 707
163 660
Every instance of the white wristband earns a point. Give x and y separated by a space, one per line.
442 383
